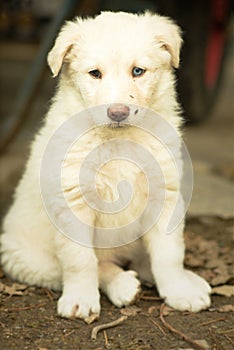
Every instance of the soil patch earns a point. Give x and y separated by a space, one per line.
28 318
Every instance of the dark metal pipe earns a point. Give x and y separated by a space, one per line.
16 118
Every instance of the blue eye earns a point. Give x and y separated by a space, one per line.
137 72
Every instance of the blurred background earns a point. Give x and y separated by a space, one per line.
205 86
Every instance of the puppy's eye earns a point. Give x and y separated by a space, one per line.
95 73
137 72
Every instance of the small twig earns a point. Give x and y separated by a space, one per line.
8 297
226 331
22 308
150 298
214 340
49 294
157 325
106 339
99 328
230 340
212 321
176 331
67 334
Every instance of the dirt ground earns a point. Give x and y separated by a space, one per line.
28 318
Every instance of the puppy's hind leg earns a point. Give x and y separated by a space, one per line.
120 286
30 264
30 260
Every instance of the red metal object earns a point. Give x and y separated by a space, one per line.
216 42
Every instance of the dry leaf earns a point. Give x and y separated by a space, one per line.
193 261
226 308
222 275
90 319
208 275
226 290
203 343
214 263
152 310
220 279
130 310
14 289
167 310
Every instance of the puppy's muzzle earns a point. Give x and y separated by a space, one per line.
118 112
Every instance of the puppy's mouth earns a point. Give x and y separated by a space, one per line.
118 114
118 125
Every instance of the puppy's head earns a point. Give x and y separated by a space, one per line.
118 58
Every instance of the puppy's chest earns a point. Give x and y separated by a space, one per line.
112 175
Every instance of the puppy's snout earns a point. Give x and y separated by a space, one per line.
118 112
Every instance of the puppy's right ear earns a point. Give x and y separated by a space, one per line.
67 37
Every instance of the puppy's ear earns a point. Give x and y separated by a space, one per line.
169 38
67 37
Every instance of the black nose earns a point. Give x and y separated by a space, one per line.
118 112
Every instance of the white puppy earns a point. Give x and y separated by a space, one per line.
117 59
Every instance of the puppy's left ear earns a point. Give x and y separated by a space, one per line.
169 39
67 37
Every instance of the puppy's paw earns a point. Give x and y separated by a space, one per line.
123 289
79 304
187 292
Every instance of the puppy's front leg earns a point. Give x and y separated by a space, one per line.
80 297
182 289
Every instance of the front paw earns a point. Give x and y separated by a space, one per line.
187 291
123 289
82 304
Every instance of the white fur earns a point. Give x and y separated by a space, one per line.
33 251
